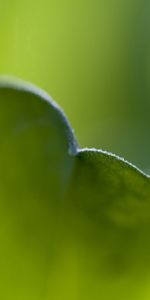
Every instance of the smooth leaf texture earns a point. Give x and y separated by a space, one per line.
75 224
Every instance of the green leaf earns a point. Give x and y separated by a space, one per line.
75 224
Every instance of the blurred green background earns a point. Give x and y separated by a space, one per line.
93 57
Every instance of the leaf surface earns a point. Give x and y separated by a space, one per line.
75 223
